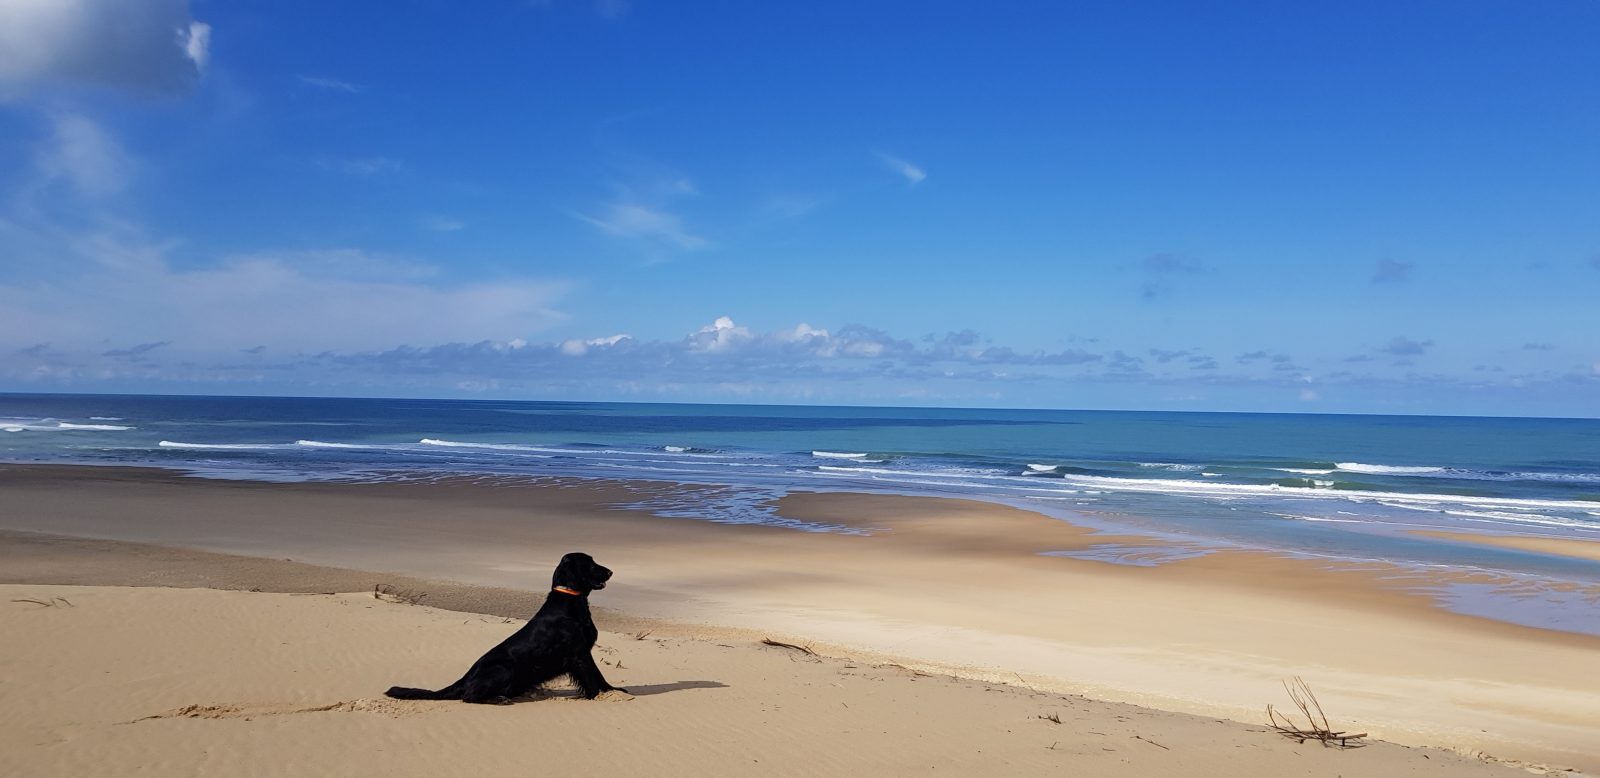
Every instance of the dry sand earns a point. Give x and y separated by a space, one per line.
121 681
945 586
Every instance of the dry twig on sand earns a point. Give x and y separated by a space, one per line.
388 593
1317 727
50 603
780 644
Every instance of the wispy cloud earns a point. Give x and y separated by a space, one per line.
439 223
1402 346
118 281
1263 356
1161 269
912 173
650 223
790 206
1170 264
1391 272
334 84
137 351
84 155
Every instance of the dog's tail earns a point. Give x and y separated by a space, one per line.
408 693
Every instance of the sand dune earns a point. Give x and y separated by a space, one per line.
122 681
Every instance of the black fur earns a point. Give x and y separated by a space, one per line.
556 641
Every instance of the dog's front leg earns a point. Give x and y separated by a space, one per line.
587 675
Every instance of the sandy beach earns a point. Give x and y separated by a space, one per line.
945 633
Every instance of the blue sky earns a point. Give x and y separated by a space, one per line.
1356 207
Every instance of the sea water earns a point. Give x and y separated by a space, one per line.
1339 487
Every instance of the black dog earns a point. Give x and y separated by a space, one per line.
555 642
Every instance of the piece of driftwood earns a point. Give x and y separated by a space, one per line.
1317 727
781 644
388 593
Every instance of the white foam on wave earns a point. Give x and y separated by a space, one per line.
321 444
536 451
919 478
1223 489
18 424
1041 468
522 449
950 473
222 446
1483 475
687 463
1303 471
1216 490
838 455
1470 475
1323 519
105 418
1359 467
1174 466
676 449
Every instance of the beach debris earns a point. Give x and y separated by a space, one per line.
780 644
388 593
641 635
1151 742
1317 727
50 603
1053 717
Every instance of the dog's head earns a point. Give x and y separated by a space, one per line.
579 571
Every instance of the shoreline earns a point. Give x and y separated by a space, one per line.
951 585
1574 548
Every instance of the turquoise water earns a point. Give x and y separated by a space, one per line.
1345 487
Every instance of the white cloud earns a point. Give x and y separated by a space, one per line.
116 284
85 156
801 333
719 335
577 348
335 84
144 45
196 42
636 220
913 174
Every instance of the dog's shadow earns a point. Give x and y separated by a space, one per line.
634 690
645 690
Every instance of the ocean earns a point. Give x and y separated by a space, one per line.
1350 488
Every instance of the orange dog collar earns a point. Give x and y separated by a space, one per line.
568 590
